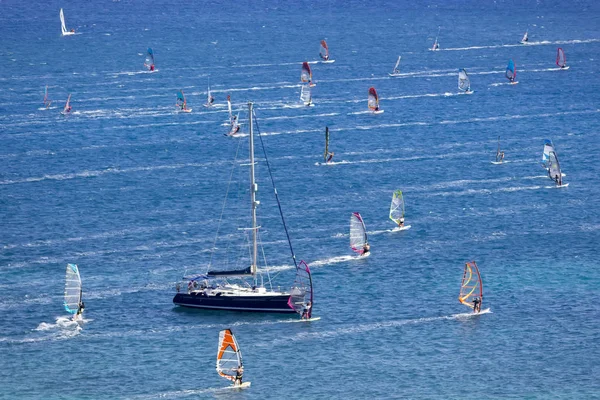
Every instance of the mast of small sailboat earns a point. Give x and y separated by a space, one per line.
253 189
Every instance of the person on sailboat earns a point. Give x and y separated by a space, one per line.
330 156
306 311
476 305
366 249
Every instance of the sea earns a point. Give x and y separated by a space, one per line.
133 191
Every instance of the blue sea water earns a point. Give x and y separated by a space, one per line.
132 192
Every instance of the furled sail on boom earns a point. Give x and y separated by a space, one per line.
72 289
471 286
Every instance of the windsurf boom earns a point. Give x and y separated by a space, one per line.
358 234
511 71
301 294
471 286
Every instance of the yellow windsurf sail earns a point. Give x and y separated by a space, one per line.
471 286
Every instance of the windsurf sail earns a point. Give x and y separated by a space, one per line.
464 83
67 108
324 51
306 74
554 171
326 143
471 286
301 294
47 101
229 356
396 70
72 289
397 207
499 154
373 99
229 109
209 98
511 71
548 147
561 59
358 233
436 45
305 95
149 63
525 37
181 102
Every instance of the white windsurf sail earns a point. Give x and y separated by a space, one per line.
561 59
47 101
209 97
548 147
554 171
301 294
525 37
358 233
397 207
471 286
63 27
396 69
306 95
229 109
229 356
464 83
373 99
67 108
72 289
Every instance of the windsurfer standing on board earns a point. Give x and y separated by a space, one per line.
306 311
366 249
239 373
401 222
79 314
330 156
476 305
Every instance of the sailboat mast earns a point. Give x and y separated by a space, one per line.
253 190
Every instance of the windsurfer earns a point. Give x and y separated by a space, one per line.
306 311
330 156
476 304
557 180
401 223
152 67
238 376
366 249
80 308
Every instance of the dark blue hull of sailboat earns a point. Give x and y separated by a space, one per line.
270 304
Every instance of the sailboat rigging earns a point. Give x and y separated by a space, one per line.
229 359
63 27
396 70
214 290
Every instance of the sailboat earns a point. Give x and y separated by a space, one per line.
73 293
209 98
229 360
464 83
561 59
436 45
471 288
525 38
397 211
67 109
499 154
306 96
301 295
554 171
47 101
63 27
373 101
396 70
324 53
306 74
359 242
548 147
182 102
214 290
149 62
511 72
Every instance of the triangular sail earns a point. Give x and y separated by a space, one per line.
436 44
561 59
63 27
525 37
554 171
396 70
306 74
373 100
301 294
306 95
498 153
229 109
464 83
397 207
181 102
209 98
149 63
471 286
67 105
324 51
358 233
72 289
326 144
511 70
229 356
548 147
